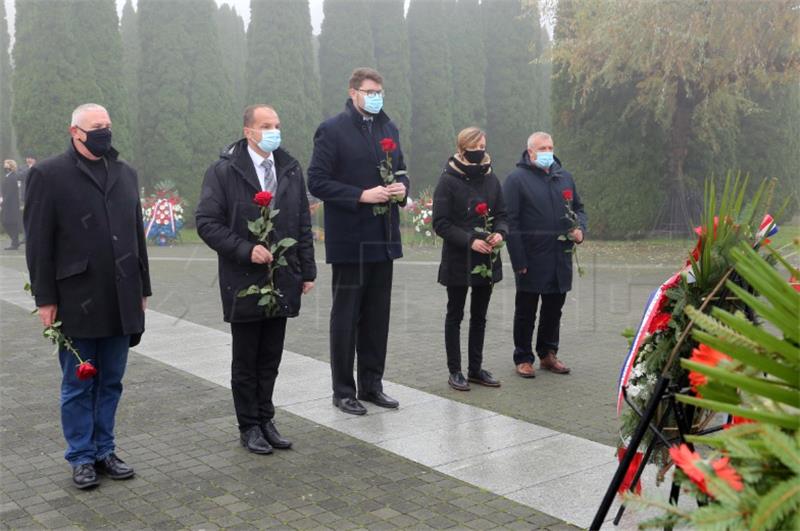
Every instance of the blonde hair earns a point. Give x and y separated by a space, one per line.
469 137
11 164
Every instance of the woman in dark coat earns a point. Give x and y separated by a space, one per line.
9 211
468 201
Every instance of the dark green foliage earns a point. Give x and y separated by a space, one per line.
233 43
131 56
433 137
467 63
71 66
345 43
391 55
513 101
187 113
280 70
6 129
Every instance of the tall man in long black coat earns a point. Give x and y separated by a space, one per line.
87 259
540 238
257 163
360 244
9 209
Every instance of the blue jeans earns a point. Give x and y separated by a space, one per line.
88 407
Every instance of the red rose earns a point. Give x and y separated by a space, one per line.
388 145
482 209
85 371
567 194
262 199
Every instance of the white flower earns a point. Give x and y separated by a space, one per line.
428 233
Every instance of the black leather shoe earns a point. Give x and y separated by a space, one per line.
254 441
379 398
458 382
483 377
114 467
350 405
84 476
273 437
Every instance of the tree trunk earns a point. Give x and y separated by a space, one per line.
678 214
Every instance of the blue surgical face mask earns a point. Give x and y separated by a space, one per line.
544 159
373 104
270 140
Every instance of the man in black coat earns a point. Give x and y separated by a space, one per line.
360 243
251 165
9 208
88 267
539 243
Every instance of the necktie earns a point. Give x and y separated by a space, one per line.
368 122
268 183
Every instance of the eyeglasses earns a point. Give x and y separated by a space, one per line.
371 93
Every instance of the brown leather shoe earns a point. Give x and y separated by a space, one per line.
551 363
526 370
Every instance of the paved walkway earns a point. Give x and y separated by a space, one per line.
471 451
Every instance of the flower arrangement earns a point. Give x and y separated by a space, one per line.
162 213
422 217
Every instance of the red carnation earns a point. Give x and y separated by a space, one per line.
660 323
567 194
482 209
263 199
85 371
388 145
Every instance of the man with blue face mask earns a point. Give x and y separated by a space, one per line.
253 164
537 194
360 245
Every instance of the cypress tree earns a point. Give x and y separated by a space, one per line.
345 43
131 56
280 70
512 101
189 115
233 43
71 66
6 129
390 36
467 64
432 91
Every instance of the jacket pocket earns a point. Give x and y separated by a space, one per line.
70 270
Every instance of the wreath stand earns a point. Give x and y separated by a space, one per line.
665 391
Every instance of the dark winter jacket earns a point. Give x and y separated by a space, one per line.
9 211
85 245
461 187
344 164
226 205
536 219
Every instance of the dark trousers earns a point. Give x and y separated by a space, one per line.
362 297
12 229
89 407
525 305
479 303
257 350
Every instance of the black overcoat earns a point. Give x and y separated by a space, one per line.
85 245
10 214
226 205
344 164
536 219
454 219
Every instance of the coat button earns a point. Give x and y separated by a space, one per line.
114 237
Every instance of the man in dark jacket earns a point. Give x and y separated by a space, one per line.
251 165
88 267
360 242
540 240
9 208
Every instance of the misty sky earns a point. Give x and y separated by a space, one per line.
242 7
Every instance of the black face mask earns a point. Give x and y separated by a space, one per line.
475 156
98 141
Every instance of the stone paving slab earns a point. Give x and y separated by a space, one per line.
179 432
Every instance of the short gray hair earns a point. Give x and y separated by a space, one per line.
80 109
537 134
